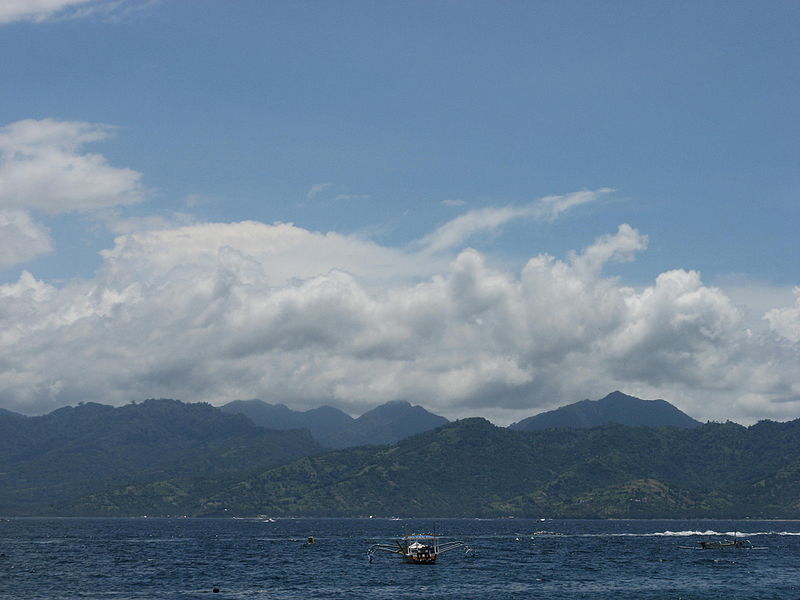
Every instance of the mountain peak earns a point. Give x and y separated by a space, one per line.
616 407
617 395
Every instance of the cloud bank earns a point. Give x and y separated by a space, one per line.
218 311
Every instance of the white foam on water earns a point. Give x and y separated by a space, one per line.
688 533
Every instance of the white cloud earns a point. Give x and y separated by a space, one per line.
21 238
221 311
284 253
550 208
456 232
620 247
43 168
755 298
329 192
36 10
45 171
786 321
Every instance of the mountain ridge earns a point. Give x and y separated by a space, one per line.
472 468
165 457
616 407
333 428
75 450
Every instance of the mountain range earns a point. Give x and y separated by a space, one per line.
471 468
394 421
75 450
333 428
165 457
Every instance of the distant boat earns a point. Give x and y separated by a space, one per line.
418 549
734 544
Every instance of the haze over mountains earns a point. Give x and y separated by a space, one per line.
333 428
394 421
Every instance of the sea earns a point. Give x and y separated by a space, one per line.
264 558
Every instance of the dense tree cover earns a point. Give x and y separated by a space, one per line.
74 451
471 468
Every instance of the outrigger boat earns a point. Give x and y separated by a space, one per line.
418 549
735 544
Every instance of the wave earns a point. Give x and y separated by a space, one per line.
711 532
689 533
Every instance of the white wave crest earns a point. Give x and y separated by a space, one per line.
688 533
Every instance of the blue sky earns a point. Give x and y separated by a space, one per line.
411 143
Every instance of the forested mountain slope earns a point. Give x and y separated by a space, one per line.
471 468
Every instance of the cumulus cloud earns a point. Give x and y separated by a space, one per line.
43 168
786 321
220 311
22 239
283 254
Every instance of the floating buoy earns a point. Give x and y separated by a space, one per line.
215 590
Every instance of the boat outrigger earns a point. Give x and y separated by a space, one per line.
418 549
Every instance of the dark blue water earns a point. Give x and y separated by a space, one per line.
515 558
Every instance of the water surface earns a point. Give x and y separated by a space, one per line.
514 558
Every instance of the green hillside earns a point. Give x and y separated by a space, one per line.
50 461
471 468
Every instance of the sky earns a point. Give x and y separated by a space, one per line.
485 208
